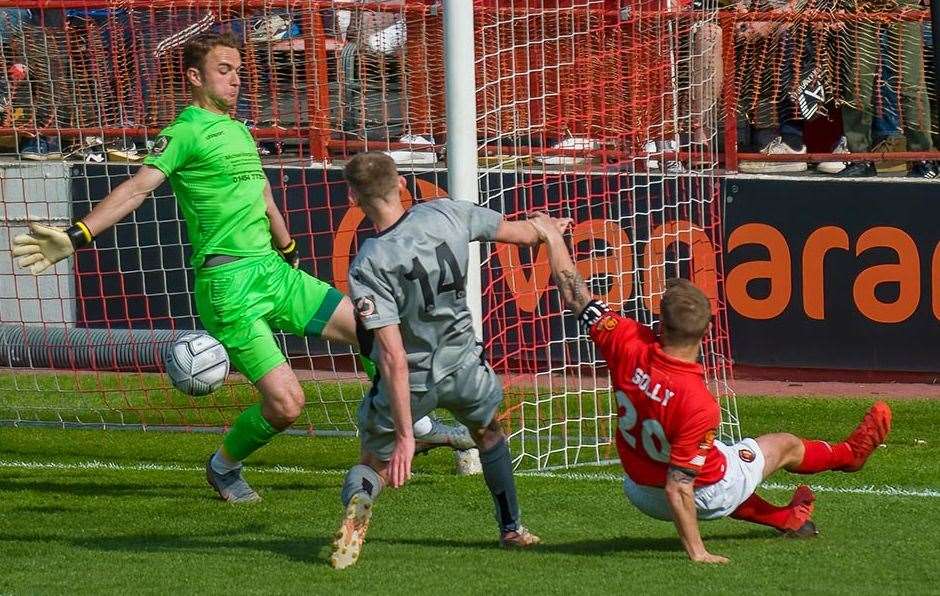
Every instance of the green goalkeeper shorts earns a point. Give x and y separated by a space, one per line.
240 303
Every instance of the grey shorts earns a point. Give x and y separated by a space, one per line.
472 394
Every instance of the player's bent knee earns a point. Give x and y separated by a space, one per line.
283 408
489 436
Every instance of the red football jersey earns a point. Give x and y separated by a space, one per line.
666 414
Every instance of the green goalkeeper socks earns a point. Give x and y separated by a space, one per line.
249 433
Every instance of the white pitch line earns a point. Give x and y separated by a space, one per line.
883 491
148 467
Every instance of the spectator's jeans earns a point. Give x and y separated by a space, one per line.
859 89
787 110
887 120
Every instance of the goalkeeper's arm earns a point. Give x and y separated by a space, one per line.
44 246
280 235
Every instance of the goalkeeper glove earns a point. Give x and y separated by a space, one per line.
45 246
290 255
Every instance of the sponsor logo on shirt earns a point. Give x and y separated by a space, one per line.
365 307
215 134
609 323
698 460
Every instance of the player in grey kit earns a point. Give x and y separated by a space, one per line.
407 284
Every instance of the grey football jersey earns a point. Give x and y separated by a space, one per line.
414 274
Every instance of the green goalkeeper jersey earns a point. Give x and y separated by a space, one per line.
213 166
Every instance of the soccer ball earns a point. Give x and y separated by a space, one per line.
197 364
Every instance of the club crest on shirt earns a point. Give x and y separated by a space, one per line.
160 145
365 307
746 455
609 323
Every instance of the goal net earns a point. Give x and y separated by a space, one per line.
605 112
598 110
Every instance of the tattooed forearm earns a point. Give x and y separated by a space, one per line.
681 475
573 290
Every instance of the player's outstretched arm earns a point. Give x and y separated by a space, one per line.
680 494
279 232
393 366
574 291
44 246
524 233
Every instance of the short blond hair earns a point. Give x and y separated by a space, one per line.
371 176
686 313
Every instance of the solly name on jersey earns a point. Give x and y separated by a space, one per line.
641 379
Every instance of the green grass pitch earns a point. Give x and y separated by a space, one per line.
142 520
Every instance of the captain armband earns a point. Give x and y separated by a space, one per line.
592 313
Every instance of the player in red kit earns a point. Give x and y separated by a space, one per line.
675 468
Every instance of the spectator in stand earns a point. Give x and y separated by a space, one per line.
859 86
43 45
887 134
776 122
11 26
371 71
931 61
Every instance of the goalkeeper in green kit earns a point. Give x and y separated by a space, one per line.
245 262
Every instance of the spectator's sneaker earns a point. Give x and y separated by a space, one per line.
653 162
441 435
859 169
572 152
90 150
887 146
347 543
91 155
420 151
39 149
269 148
922 169
273 27
869 433
231 486
776 147
521 538
834 167
124 150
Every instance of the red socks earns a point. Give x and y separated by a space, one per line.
759 511
820 456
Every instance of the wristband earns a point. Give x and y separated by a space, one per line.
290 255
80 235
